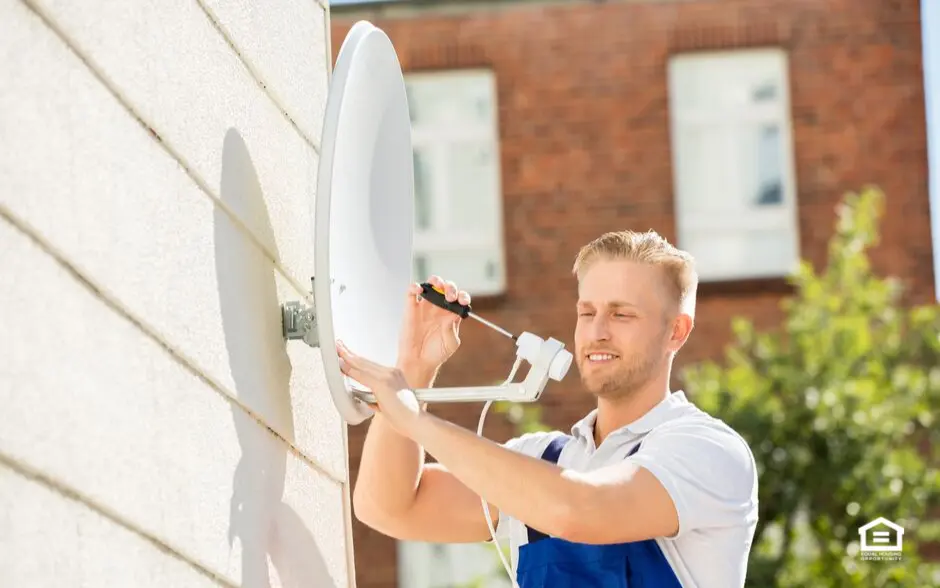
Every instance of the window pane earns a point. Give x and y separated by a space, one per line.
769 166
765 92
707 165
420 268
474 100
428 565
760 165
440 565
478 271
464 97
424 186
471 182
723 82
742 253
769 181
730 168
427 102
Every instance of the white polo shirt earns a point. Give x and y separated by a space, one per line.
706 467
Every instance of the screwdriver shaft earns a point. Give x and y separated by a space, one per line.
492 326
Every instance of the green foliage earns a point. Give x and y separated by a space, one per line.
525 418
839 406
492 578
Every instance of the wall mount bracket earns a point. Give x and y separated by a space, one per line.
299 321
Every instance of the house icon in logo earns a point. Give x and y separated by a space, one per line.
881 535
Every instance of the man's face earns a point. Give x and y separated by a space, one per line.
623 331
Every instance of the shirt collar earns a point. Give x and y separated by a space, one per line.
666 410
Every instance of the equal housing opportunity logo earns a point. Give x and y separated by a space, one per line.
882 540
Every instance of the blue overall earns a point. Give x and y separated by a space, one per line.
550 562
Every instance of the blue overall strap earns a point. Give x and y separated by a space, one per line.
553 450
635 449
551 455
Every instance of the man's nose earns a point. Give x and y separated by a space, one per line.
599 329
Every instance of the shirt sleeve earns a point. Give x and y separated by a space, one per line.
708 471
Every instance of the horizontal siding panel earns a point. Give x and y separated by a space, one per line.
50 541
100 190
92 402
285 45
168 60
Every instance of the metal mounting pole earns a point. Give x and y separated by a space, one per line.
299 321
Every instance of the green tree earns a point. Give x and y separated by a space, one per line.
839 406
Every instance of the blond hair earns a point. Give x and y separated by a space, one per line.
649 248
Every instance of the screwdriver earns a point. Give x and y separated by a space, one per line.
436 297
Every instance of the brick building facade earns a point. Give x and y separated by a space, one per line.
590 134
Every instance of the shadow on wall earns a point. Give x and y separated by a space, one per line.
266 527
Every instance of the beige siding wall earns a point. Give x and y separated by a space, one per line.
157 178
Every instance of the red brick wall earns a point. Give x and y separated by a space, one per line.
583 121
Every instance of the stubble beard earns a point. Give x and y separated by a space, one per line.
623 382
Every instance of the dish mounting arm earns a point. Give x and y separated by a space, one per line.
548 359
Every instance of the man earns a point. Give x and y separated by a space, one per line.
647 490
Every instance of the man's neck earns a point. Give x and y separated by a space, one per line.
614 413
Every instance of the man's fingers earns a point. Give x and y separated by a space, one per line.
414 292
357 362
349 363
346 364
450 291
448 287
363 376
359 368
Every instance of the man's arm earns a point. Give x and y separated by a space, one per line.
657 493
399 495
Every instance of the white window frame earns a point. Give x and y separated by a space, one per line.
491 242
420 565
782 217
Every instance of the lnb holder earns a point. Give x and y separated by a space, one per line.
548 359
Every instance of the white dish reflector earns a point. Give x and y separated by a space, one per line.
364 215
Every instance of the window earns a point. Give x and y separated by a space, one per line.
733 163
458 204
433 565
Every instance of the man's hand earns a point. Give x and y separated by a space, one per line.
430 335
396 401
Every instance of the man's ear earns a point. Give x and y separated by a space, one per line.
681 329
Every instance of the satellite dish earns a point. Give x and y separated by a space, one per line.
364 209
363 217
364 223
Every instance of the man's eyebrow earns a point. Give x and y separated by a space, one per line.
621 303
611 304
